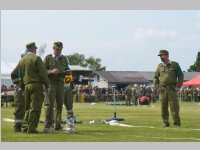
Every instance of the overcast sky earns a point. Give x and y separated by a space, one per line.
124 40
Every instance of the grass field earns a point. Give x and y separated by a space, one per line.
142 118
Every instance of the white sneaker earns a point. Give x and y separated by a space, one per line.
70 120
70 128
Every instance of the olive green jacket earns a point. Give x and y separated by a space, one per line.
128 92
61 64
170 75
16 77
31 70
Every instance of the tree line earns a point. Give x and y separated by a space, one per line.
95 63
90 62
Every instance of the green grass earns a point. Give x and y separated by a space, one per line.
140 116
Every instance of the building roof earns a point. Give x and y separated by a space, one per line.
136 76
187 75
78 68
147 75
123 77
190 75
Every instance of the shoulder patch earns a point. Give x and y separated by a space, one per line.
173 62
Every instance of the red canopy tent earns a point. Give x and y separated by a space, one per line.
194 82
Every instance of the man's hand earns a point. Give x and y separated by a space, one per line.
55 71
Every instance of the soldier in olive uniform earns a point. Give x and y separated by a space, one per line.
19 107
18 98
168 77
34 76
68 99
69 91
128 93
55 64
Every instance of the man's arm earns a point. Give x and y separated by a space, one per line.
67 64
180 76
65 70
15 74
16 77
46 65
42 72
156 77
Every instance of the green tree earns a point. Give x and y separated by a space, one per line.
95 64
77 59
91 62
196 66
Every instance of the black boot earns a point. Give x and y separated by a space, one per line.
17 127
165 125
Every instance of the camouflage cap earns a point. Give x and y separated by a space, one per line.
31 45
163 52
58 45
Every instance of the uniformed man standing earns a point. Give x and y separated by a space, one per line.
69 91
56 64
19 98
168 77
32 71
128 93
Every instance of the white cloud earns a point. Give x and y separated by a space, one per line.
198 14
197 25
142 33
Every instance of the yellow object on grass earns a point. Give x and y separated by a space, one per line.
68 79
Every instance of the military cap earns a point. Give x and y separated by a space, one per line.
31 45
163 52
58 45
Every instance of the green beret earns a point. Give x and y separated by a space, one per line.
58 45
163 52
31 45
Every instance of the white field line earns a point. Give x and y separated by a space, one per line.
151 127
168 138
131 126
196 129
8 120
